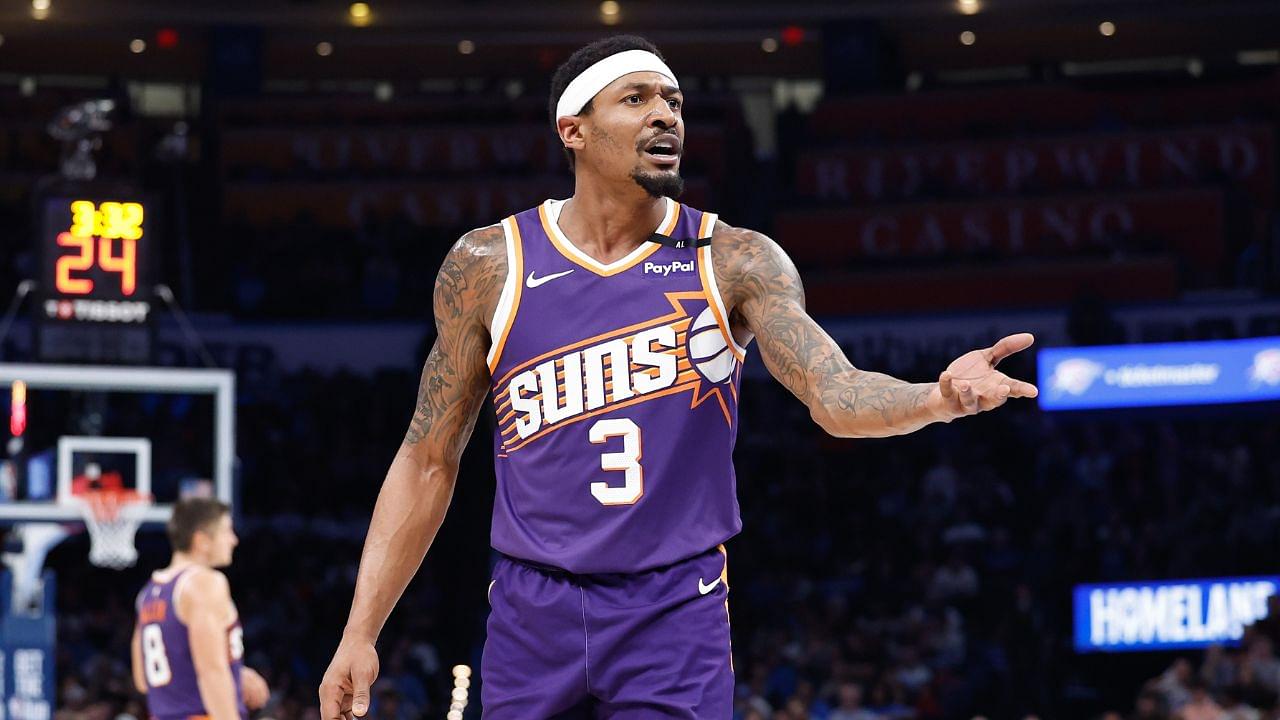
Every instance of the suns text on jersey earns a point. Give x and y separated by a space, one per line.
585 380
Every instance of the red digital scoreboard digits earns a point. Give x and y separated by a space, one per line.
98 251
104 236
96 266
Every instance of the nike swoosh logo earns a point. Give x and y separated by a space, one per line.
703 588
533 282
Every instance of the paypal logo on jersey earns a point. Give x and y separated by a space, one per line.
665 269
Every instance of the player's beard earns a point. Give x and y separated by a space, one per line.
659 184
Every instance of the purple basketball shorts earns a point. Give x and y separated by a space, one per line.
637 646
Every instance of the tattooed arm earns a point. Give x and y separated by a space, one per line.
419 484
761 287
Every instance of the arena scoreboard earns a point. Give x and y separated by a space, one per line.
95 302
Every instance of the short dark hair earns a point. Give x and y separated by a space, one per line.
191 515
583 58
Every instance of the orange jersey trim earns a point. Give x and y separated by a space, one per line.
724 577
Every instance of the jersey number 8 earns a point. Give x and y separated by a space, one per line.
154 660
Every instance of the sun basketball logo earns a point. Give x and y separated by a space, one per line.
708 350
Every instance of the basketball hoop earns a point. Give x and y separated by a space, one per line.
112 517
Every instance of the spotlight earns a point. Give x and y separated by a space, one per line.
769 45
137 45
968 38
324 49
466 47
969 7
610 12
360 14
1107 28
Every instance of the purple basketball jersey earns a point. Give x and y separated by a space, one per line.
616 393
172 690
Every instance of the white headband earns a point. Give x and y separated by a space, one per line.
595 78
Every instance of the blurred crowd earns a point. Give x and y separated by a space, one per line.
924 577
333 207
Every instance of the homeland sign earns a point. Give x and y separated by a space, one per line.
1170 615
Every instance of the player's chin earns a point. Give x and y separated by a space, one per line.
659 182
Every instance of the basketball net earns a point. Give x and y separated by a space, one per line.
112 517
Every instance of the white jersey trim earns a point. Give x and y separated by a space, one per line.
722 316
503 315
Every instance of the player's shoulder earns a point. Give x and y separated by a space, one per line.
206 582
739 243
739 252
473 271
483 244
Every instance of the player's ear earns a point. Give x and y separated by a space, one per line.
200 539
571 132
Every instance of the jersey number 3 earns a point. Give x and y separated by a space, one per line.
627 462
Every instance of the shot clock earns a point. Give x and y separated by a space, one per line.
95 303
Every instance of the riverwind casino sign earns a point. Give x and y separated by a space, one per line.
1169 615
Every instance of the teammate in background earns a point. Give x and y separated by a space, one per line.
610 330
188 646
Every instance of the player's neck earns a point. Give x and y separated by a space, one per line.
608 223
181 561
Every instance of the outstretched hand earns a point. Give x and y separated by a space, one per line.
971 384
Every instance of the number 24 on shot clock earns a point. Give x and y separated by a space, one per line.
104 235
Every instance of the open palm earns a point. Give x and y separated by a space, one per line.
972 384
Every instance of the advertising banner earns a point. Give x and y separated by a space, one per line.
1169 615
1187 373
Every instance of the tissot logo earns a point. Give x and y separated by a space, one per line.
665 269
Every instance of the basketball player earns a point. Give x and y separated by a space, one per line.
610 330
188 646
